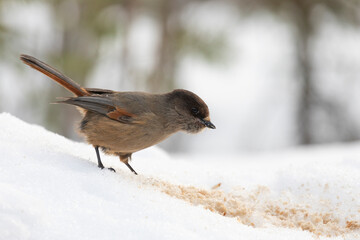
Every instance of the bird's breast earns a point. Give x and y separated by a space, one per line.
118 137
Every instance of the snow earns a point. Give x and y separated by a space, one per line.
51 188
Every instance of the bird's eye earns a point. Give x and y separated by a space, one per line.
195 111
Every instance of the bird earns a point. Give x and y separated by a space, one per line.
121 123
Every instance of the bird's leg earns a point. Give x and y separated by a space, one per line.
125 159
100 165
128 165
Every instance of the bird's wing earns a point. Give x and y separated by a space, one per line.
104 105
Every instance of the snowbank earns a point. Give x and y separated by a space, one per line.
51 188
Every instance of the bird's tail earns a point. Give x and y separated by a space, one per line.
54 74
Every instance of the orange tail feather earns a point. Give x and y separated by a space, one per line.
54 74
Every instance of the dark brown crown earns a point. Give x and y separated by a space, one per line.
189 101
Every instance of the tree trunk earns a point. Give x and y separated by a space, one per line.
304 73
162 76
129 6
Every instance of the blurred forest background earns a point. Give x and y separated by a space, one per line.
274 73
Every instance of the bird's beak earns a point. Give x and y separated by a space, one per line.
207 123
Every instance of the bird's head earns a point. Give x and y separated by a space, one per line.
193 113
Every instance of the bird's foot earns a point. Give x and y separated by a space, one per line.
102 167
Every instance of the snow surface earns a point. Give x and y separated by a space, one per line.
51 188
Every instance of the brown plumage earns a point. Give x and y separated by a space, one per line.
121 123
